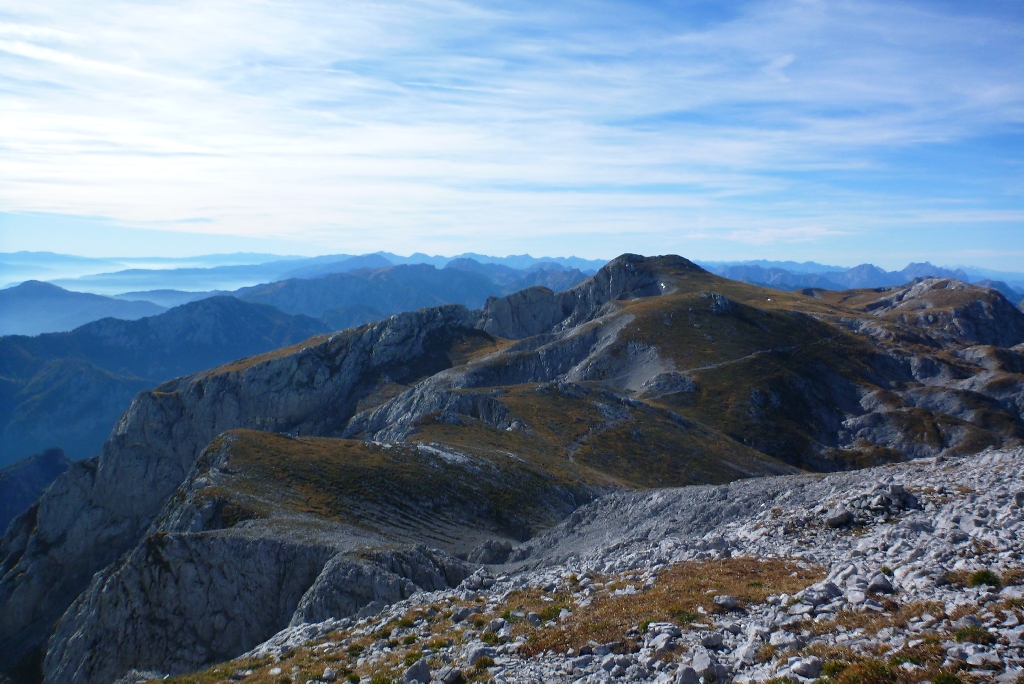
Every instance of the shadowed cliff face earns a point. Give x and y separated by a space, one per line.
23 482
103 505
70 388
651 373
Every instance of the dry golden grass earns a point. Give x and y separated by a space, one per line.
251 361
1006 578
845 666
679 594
474 347
341 652
399 487
897 615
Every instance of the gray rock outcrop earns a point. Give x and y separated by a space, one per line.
132 547
172 607
348 585
100 507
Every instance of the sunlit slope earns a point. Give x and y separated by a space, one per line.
718 379
446 428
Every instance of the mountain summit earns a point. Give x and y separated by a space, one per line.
349 471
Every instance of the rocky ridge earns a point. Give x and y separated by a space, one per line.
908 573
640 376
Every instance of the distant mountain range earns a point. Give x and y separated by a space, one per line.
23 482
34 307
792 276
16 267
227 271
354 291
331 478
67 389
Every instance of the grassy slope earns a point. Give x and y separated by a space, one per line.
401 491
775 376
774 373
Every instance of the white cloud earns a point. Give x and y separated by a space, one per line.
381 124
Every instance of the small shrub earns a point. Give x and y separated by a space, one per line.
485 663
644 625
405 623
833 668
901 658
947 678
392 643
551 612
765 653
384 633
409 639
975 635
381 679
411 658
478 622
986 577
886 570
490 638
681 615
355 650
868 672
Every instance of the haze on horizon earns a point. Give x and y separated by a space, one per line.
839 132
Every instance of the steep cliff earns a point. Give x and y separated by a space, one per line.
445 428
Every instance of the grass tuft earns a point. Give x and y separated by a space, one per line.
984 577
868 672
947 678
678 594
975 635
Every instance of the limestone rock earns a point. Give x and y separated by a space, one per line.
418 672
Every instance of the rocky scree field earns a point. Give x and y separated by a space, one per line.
337 476
901 574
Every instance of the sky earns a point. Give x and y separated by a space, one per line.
840 132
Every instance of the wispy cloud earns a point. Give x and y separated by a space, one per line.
429 124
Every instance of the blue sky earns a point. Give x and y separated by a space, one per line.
842 132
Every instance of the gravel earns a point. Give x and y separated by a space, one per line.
909 527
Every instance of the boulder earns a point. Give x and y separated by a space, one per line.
809 667
418 672
478 650
726 602
880 584
449 675
686 675
838 517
